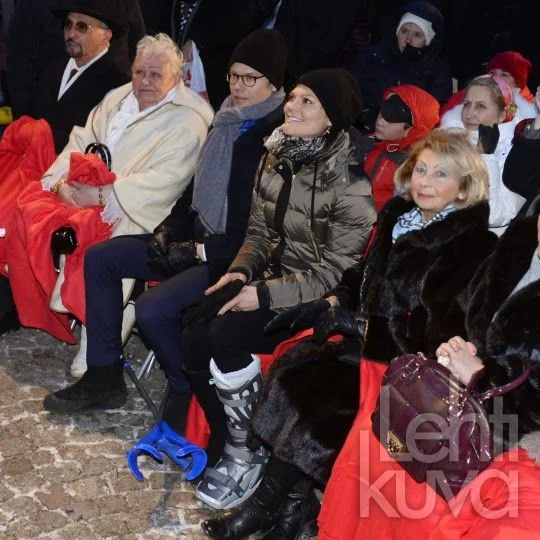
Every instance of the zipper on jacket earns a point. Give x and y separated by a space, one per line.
314 244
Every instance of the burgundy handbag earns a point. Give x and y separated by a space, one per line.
434 426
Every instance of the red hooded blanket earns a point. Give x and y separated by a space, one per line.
26 152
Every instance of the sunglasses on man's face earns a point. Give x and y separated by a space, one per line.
80 26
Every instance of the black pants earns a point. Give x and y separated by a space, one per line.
159 310
229 340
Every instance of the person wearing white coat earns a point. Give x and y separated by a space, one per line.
489 114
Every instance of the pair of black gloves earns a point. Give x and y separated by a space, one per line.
167 256
325 319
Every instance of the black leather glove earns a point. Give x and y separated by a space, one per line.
339 321
64 240
157 251
299 317
182 255
488 138
207 307
163 237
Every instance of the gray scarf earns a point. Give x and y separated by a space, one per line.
213 170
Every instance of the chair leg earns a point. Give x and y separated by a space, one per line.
147 366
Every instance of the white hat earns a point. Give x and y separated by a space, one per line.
424 25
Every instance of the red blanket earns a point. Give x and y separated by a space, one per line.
26 152
369 496
31 272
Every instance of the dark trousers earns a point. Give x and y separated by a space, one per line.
229 340
158 310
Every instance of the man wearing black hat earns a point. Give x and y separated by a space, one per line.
62 86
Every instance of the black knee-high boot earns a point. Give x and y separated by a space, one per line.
213 410
259 512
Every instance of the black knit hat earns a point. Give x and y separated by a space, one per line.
106 11
338 93
265 51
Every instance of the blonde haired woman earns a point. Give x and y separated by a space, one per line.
488 113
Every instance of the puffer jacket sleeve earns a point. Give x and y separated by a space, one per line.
352 220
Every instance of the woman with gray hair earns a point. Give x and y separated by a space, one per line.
153 128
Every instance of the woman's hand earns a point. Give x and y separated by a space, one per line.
65 192
223 280
187 51
86 196
245 300
461 355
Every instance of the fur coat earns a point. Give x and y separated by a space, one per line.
505 327
417 292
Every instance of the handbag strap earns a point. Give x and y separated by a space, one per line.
505 388
102 151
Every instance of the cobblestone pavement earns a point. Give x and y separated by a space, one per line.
65 476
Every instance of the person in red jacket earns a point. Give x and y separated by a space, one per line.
407 115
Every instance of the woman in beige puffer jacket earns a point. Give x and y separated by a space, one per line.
311 216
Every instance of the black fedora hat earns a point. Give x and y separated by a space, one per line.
107 11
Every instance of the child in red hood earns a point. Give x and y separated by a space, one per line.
407 115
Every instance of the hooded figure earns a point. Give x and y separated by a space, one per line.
382 156
407 55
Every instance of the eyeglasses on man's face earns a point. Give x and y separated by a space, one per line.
247 80
80 26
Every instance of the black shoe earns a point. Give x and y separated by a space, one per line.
241 522
9 322
298 513
101 387
257 514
